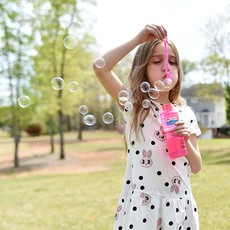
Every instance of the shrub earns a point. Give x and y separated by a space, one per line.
35 129
223 131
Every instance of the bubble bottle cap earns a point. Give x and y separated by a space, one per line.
167 107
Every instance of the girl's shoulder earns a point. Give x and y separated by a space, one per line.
189 116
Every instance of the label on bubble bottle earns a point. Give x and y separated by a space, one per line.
171 121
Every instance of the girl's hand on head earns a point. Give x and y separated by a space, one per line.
152 32
182 129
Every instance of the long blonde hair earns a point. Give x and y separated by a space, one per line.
138 75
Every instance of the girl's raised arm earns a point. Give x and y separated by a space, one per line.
107 77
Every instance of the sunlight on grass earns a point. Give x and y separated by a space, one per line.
87 201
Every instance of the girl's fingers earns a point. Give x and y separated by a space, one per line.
151 32
183 131
161 31
158 31
164 31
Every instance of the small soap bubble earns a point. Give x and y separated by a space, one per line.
83 109
108 118
167 83
145 87
168 80
159 85
70 42
123 97
100 63
24 101
89 120
73 86
146 103
75 28
57 83
128 106
153 93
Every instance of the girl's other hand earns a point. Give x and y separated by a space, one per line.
152 32
182 129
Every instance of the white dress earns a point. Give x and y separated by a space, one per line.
156 193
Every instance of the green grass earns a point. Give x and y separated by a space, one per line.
87 201
71 202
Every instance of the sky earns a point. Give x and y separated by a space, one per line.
118 21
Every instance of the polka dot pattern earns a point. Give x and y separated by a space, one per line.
156 192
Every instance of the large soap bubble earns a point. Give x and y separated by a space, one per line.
108 118
146 103
145 87
24 101
159 85
75 28
128 106
153 93
73 86
57 83
83 109
70 42
123 96
89 120
100 63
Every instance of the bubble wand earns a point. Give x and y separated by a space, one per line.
168 70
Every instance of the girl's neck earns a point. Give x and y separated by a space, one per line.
163 99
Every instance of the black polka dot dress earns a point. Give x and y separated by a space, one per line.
156 193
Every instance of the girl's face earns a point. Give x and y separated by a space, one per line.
155 69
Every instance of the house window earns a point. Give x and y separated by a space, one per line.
206 119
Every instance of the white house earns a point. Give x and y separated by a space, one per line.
208 103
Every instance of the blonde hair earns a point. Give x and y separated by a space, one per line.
138 75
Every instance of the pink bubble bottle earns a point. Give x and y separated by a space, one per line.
175 143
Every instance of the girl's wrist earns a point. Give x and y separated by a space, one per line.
137 40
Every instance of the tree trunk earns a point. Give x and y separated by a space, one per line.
61 132
68 123
51 134
80 128
16 147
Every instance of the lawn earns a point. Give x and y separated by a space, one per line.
87 201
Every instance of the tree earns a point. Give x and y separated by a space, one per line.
188 67
217 62
54 60
15 46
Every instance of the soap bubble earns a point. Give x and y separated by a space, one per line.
146 103
89 120
73 86
24 101
70 42
75 28
168 79
153 93
123 96
108 118
145 87
128 106
167 83
100 63
57 83
159 85
83 109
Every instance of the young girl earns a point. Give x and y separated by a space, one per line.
156 192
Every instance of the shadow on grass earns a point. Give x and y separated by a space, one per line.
31 163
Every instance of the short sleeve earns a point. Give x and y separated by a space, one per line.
192 121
